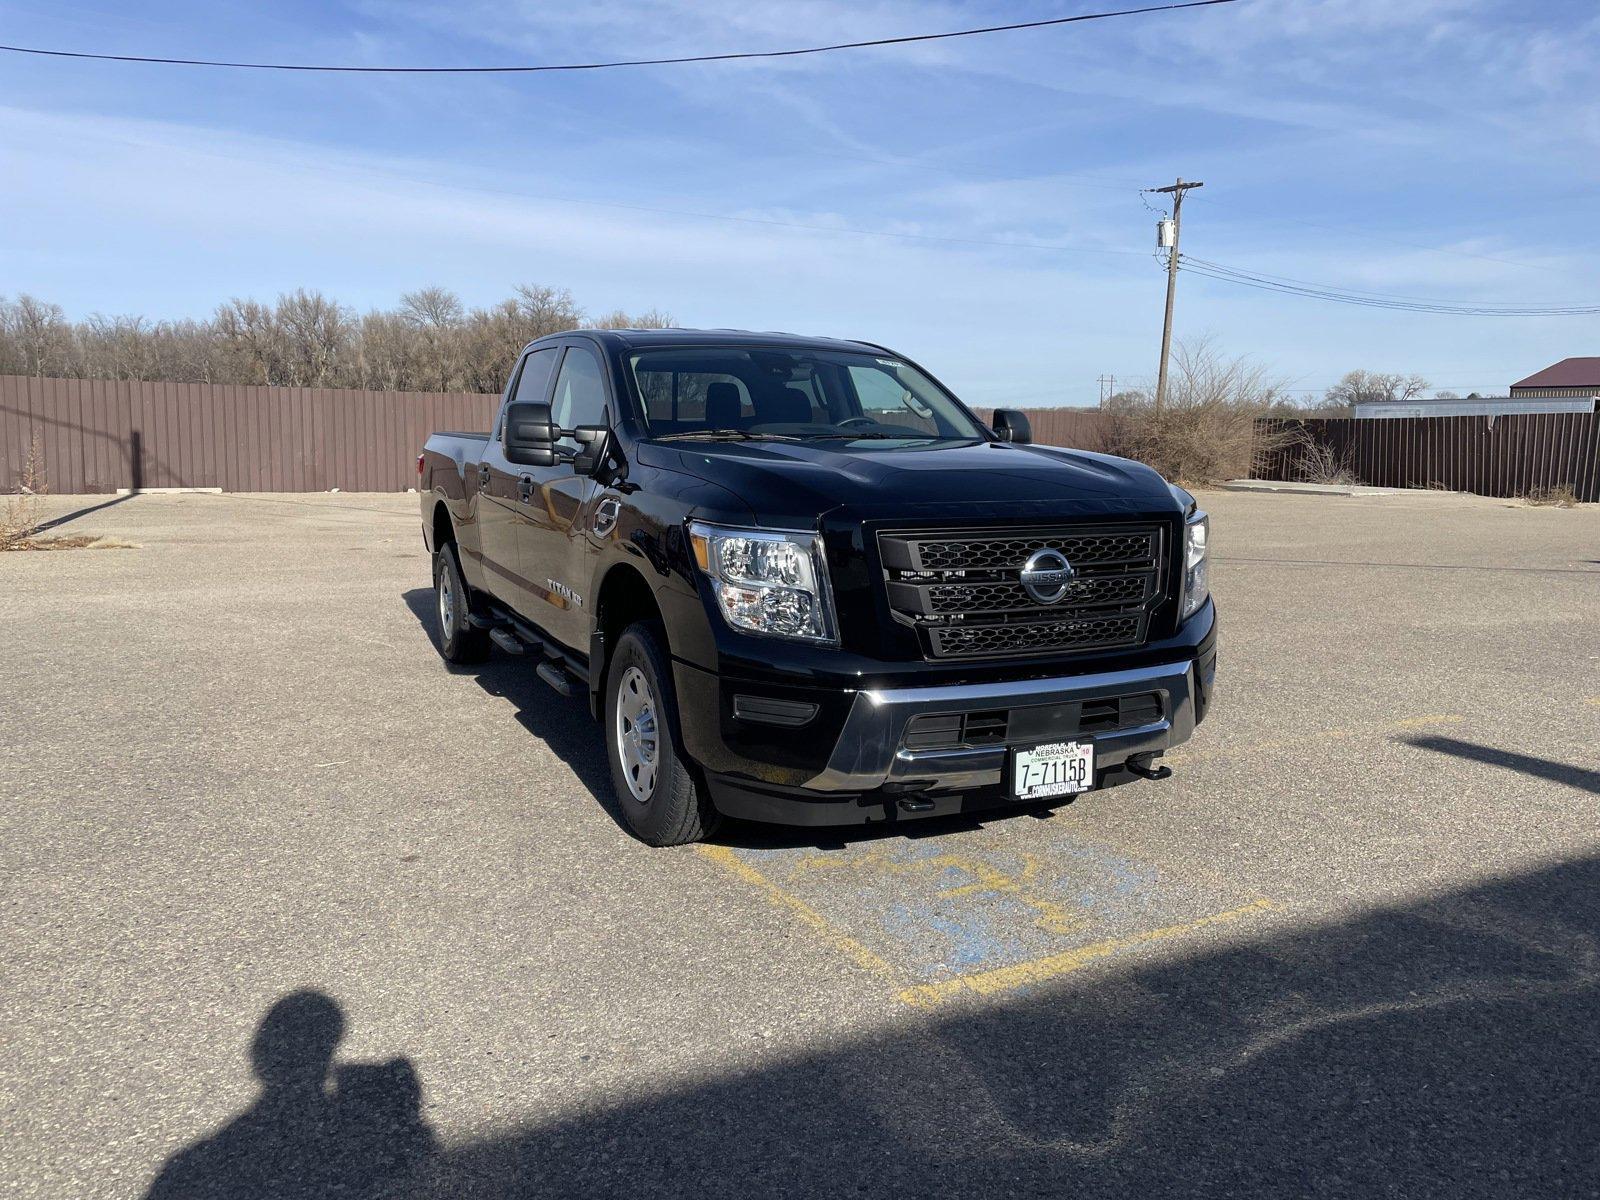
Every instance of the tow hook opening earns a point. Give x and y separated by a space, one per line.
1143 765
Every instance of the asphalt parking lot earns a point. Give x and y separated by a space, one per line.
256 837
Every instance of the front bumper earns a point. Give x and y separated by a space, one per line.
871 775
871 753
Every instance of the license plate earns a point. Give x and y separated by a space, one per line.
1052 769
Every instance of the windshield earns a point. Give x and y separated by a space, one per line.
756 393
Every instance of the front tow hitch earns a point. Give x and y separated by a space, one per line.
1142 766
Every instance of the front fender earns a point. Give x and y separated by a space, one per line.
649 536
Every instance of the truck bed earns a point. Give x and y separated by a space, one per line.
447 456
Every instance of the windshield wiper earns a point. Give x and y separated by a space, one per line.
880 437
723 435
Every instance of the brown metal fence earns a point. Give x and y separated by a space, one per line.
1492 456
101 435
1076 430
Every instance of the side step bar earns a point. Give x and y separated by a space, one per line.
557 678
560 668
506 640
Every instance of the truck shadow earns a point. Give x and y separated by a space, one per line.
575 738
561 723
753 835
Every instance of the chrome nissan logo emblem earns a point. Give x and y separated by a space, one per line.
1046 575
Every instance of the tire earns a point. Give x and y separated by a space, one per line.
661 797
459 640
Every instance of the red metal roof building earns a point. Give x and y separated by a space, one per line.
1578 377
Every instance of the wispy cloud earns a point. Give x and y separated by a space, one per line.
1322 127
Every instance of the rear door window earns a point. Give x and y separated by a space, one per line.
533 379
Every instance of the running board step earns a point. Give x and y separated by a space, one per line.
507 641
479 621
555 677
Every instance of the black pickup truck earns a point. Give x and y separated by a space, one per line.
800 582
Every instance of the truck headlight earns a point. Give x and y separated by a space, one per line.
767 582
1196 584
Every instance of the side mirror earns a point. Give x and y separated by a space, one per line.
530 436
1012 426
592 447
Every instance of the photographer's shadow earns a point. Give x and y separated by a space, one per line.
316 1130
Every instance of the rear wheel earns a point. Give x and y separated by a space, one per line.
661 798
459 640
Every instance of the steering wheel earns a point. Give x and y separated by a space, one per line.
857 421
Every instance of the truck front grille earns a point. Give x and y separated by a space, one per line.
964 593
1000 553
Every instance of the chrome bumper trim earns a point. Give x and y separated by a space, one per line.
869 753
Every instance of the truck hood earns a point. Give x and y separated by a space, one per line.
789 484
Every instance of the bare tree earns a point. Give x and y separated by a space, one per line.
252 342
491 341
40 337
1367 387
1207 429
190 352
387 345
317 337
429 342
651 318
432 308
118 348
546 310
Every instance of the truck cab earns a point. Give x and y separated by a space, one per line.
797 580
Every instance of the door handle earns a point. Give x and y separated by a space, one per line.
525 488
483 475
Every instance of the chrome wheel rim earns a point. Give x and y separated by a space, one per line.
447 605
637 734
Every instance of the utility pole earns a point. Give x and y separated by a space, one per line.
1176 191
1108 388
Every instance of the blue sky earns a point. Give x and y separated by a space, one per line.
1438 148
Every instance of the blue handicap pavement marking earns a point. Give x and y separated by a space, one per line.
941 908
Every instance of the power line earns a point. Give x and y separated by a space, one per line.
1306 283
1317 291
635 62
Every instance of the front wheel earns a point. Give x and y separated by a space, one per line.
662 801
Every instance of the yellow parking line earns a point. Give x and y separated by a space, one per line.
818 923
986 983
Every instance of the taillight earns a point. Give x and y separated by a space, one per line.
419 464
